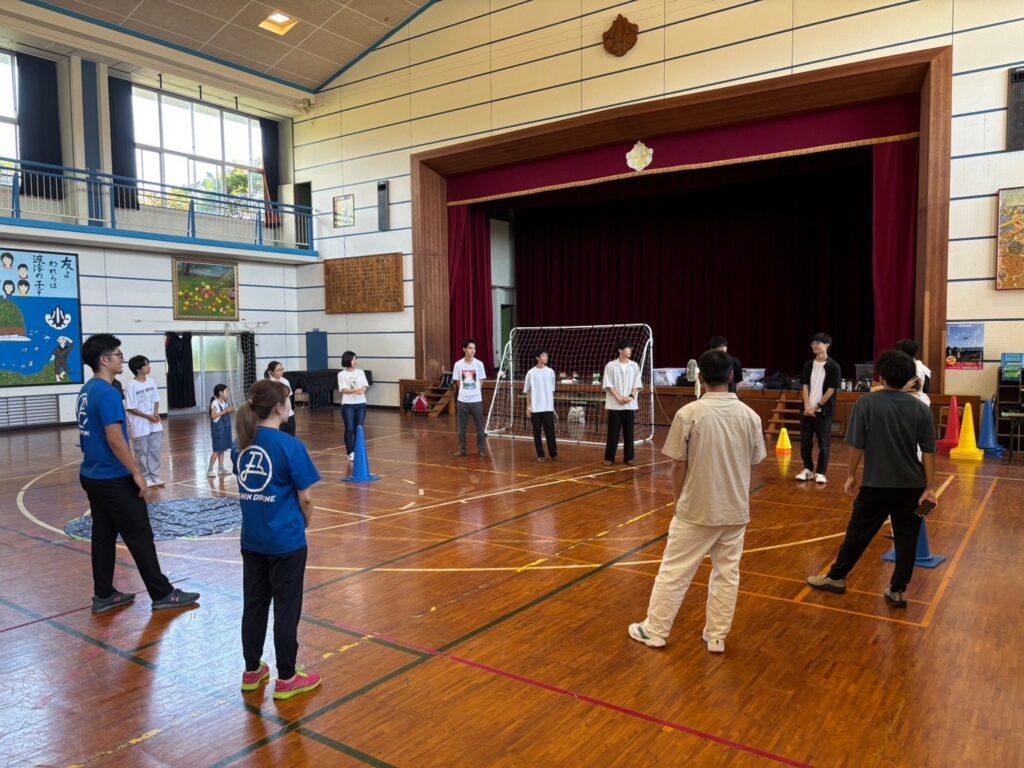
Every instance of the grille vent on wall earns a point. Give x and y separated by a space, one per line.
1015 110
30 411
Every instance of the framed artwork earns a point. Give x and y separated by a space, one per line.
40 319
344 211
205 290
1010 240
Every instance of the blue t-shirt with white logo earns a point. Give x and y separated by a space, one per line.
271 472
98 406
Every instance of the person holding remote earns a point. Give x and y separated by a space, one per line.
886 429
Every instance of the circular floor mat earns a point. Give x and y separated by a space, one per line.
178 519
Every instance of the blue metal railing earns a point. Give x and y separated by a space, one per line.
72 198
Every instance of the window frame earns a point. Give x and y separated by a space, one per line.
4 119
192 158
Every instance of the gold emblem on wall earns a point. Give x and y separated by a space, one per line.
621 36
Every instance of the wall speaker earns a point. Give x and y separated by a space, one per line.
383 209
1015 110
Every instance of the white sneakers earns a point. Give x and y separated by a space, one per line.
809 475
352 457
639 633
715 645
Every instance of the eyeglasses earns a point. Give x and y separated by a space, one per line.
115 354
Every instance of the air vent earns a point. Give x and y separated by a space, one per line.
32 411
1015 110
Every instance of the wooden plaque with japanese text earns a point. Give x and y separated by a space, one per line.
364 284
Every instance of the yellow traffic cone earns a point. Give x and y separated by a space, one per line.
782 445
968 449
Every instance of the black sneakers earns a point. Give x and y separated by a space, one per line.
116 600
177 599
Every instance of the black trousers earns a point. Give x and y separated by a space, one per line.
544 420
623 421
476 411
870 509
289 426
277 578
821 427
117 508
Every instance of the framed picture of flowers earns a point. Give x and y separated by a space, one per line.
205 290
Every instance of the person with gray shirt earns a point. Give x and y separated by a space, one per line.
886 429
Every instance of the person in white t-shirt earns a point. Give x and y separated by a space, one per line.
621 385
143 406
820 381
713 443
539 388
467 376
275 372
353 385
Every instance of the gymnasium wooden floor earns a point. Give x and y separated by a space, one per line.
473 612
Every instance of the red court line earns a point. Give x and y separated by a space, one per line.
721 740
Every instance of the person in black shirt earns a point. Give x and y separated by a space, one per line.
720 342
820 380
887 429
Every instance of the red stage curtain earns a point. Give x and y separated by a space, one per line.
469 281
894 238
765 254
767 137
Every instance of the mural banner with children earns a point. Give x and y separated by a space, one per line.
40 319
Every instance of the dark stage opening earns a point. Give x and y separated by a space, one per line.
764 253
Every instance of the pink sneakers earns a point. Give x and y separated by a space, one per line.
301 683
253 680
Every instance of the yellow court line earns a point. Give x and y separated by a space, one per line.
955 562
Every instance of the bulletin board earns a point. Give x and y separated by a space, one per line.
40 319
364 284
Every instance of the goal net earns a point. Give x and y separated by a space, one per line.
577 354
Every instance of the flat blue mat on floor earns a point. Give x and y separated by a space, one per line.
178 519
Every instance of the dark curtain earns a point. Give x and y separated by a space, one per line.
271 169
39 126
122 142
469 281
894 240
247 343
181 386
765 254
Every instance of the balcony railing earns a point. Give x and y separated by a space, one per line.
72 198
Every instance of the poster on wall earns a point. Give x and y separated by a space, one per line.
40 319
1010 240
344 211
965 346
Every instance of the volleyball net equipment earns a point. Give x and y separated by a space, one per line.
577 354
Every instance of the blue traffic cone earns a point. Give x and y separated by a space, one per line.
924 557
361 466
988 441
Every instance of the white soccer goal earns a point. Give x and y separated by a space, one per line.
578 355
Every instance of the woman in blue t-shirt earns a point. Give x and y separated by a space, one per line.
275 474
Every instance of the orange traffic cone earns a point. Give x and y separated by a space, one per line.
968 449
952 438
782 445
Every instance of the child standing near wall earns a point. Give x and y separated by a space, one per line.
220 427
143 406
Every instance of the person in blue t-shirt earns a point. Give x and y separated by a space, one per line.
115 485
275 474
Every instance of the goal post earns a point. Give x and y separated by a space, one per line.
577 354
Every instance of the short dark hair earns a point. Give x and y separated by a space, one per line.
623 344
26 283
539 352
23 266
347 358
908 347
718 341
96 347
7 256
895 367
10 283
715 366
467 341
822 337
137 363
